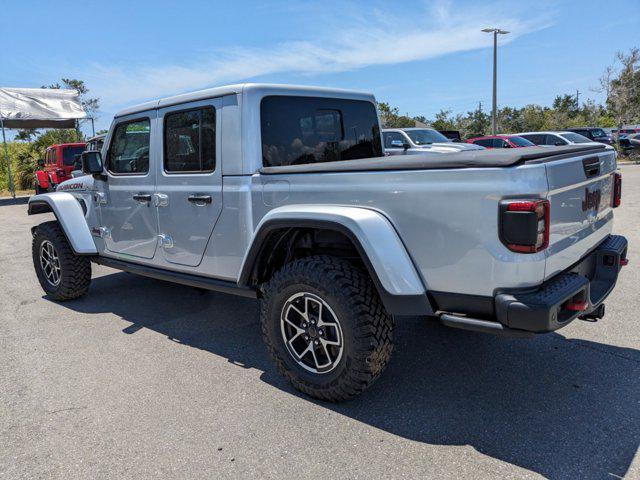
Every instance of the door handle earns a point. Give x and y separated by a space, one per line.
199 199
142 197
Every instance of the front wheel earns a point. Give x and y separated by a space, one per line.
325 327
62 274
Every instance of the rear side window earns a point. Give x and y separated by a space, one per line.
536 139
53 156
485 142
575 138
129 151
299 130
190 141
554 140
584 133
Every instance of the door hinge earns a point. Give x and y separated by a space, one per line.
102 232
160 199
165 241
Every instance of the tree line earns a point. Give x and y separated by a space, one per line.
620 83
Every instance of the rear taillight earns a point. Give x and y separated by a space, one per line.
524 225
617 190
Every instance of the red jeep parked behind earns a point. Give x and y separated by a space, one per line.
57 165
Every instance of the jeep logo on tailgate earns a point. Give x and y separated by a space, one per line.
591 200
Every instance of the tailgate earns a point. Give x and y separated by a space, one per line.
580 195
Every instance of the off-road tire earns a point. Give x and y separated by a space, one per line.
75 270
367 328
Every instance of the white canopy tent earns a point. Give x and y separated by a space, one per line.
37 108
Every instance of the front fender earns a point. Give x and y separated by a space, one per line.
377 241
69 214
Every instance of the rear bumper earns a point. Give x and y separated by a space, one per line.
576 292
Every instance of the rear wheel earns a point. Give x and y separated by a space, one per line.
62 274
325 327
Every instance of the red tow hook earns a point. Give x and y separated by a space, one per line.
624 262
576 306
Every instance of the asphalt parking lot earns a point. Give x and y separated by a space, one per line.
146 379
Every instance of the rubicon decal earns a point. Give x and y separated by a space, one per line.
72 186
591 200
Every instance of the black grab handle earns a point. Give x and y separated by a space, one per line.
199 198
142 197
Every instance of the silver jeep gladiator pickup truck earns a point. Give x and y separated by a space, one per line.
284 194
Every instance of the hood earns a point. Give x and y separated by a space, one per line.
445 147
77 184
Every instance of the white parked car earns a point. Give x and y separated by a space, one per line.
556 139
401 141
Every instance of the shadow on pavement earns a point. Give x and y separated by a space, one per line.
562 408
13 201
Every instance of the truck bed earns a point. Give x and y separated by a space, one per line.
445 207
493 158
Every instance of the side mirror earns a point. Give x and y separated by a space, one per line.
41 162
406 146
92 162
559 143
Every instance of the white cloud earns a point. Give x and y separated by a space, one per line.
356 41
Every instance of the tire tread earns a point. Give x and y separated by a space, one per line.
76 269
373 331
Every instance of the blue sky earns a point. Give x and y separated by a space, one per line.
420 56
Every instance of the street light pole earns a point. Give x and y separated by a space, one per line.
494 110
494 105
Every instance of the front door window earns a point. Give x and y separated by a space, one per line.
129 152
128 214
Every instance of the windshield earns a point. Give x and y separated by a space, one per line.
95 144
426 136
575 138
69 155
598 132
521 142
